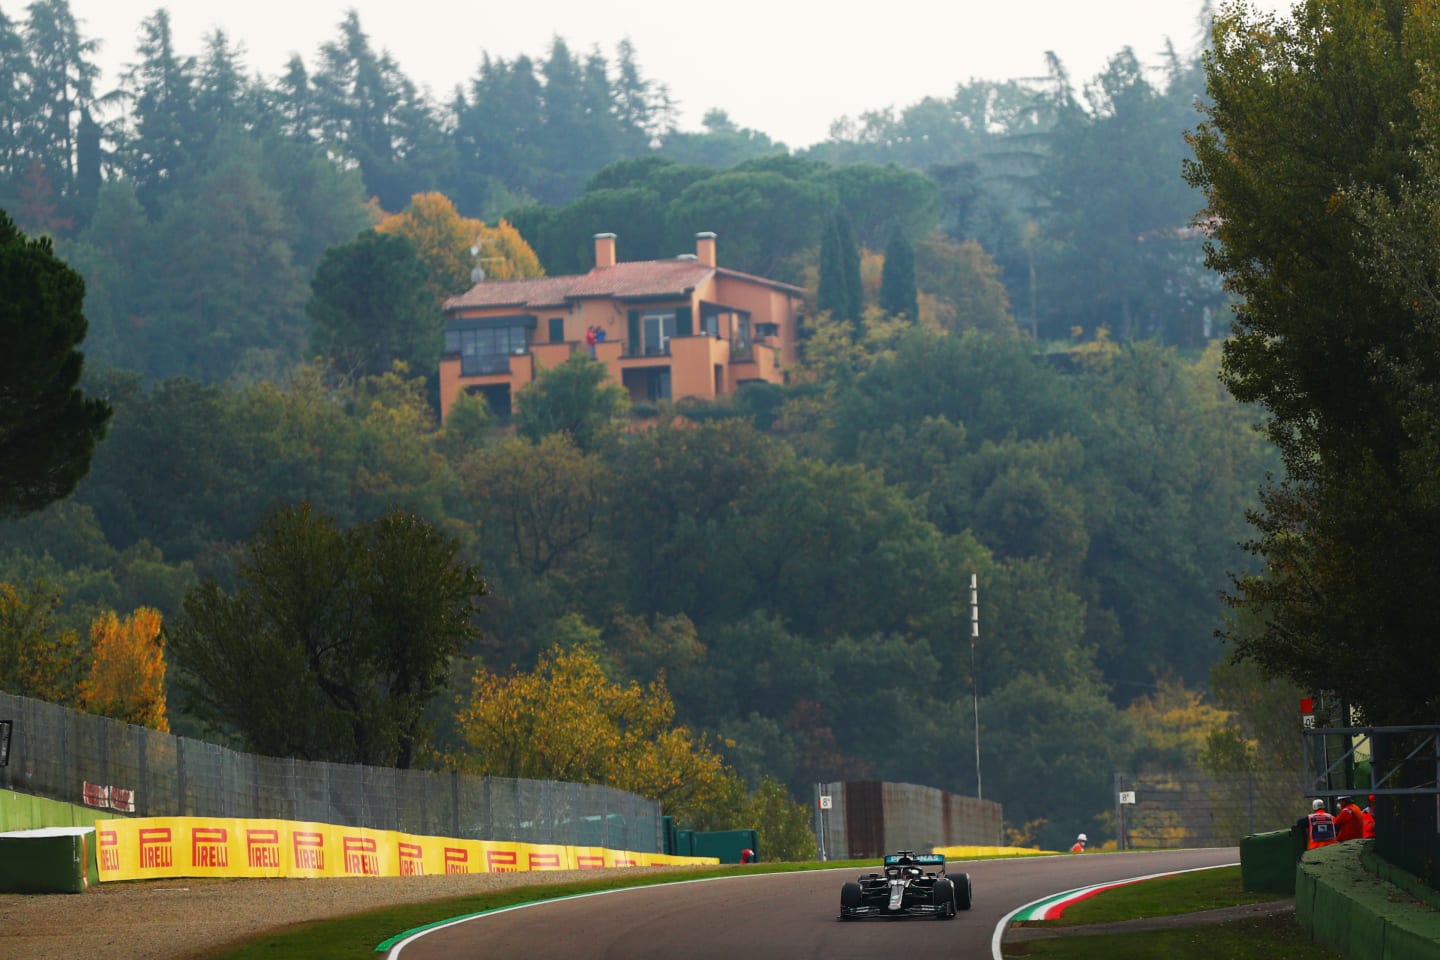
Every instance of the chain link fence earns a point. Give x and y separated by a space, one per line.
55 752
1166 811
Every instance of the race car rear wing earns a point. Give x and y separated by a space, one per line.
919 859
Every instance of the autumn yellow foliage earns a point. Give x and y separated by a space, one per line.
1175 723
127 670
36 660
443 240
566 720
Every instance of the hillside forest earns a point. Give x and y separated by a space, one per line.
782 576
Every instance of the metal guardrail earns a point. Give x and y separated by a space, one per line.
1404 760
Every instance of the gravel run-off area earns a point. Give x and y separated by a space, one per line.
174 919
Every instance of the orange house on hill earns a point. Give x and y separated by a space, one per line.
667 328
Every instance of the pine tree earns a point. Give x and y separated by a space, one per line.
48 428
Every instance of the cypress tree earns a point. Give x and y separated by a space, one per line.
840 291
833 296
897 280
850 260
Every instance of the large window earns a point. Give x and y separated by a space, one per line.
485 350
656 329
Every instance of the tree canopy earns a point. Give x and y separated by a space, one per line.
1333 334
372 304
48 427
334 641
567 720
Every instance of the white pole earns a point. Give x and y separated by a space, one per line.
974 679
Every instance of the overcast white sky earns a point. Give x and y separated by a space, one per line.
785 67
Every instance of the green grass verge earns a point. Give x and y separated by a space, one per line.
1276 937
355 937
1163 897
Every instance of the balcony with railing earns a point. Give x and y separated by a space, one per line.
485 365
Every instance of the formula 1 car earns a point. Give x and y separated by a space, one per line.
913 885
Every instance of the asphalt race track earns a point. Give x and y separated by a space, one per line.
780 916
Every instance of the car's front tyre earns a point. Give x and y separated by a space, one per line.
942 896
962 891
851 896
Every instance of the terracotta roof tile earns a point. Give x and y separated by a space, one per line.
642 278
535 291
639 278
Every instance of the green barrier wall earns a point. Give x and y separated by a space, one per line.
46 864
1267 862
1357 912
725 844
21 811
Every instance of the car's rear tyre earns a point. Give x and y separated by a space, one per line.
962 890
851 896
943 897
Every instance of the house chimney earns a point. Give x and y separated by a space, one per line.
705 248
604 249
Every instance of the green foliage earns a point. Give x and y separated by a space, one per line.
575 399
964 282
722 144
466 427
1333 337
543 501
247 266
48 428
37 659
1259 733
785 828
881 201
371 112
371 307
334 641
840 293
1166 896
763 218
897 283
1116 250
1055 748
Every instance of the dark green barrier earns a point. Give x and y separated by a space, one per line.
1358 914
46 861
1267 862
725 844
23 811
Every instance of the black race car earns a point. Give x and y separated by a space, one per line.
913 885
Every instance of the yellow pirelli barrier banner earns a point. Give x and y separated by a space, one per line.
159 847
